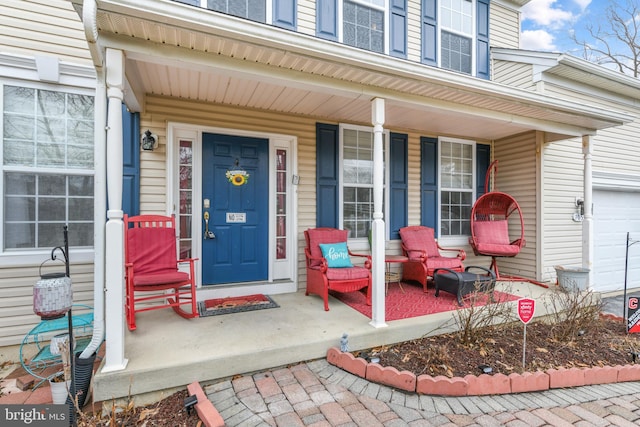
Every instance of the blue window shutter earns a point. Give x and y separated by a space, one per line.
327 175
482 39
130 162
327 19
483 159
398 25
398 185
429 32
284 14
429 182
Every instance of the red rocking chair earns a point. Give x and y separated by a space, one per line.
151 267
322 278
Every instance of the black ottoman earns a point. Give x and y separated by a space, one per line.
464 283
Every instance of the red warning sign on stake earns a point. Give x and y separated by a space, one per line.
526 309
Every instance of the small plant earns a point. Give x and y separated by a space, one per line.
474 321
572 313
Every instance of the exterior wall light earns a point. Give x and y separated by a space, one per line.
149 141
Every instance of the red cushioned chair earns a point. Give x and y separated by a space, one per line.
151 268
497 227
321 278
490 234
425 255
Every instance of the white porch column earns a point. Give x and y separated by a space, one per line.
587 223
377 226
114 241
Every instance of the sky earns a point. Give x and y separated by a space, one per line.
547 24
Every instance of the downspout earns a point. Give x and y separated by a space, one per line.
89 19
587 223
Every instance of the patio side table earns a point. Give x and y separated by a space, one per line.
393 276
35 351
464 283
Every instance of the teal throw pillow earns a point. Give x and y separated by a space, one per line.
336 254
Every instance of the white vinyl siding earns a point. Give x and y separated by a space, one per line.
517 176
48 27
504 28
16 296
563 181
307 17
414 31
614 149
414 176
513 74
617 149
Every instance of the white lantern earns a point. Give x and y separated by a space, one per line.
52 296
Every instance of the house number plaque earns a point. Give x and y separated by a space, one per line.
236 217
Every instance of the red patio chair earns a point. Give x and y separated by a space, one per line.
322 278
421 247
151 268
497 227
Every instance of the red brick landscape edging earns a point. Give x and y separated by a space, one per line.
204 408
484 384
472 385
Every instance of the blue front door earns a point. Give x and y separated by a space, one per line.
237 251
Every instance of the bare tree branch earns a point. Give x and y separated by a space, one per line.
614 40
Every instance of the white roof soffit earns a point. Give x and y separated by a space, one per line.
179 39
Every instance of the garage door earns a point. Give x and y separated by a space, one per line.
615 213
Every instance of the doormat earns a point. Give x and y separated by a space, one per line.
410 301
218 306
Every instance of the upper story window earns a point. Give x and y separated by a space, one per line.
256 10
47 168
457 171
456 35
281 13
358 23
363 24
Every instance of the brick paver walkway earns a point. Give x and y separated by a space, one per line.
319 394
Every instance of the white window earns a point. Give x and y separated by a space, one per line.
255 10
456 35
47 168
457 186
364 23
357 180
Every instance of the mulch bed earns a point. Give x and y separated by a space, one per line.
604 343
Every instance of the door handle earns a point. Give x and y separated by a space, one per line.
208 234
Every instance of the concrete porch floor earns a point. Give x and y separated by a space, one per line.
168 352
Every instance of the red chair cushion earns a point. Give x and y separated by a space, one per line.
444 262
492 238
347 273
419 239
492 232
160 278
152 250
497 250
323 235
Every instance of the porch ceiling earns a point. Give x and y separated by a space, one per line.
181 51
